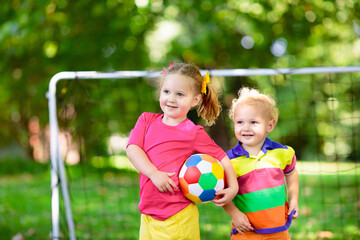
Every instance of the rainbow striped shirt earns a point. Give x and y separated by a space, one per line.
261 182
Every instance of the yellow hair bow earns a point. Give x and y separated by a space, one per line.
206 81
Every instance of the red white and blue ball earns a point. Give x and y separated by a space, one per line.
200 177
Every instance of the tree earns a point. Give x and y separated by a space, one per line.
41 38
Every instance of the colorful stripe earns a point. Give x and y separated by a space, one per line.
254 181
243 165
260 200
277 158
268 218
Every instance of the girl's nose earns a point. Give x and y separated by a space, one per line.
171 98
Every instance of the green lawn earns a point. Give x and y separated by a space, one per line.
25 206
105 204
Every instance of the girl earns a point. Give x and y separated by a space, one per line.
160 143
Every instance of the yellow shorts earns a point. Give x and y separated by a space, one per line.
182 226
257 236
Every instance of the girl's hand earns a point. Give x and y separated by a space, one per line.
224 196
163 182
241 223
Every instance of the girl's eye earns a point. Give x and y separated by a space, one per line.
253 122
166 91
240 122
180 94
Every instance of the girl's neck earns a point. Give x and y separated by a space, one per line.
172 121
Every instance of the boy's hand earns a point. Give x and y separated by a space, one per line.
241 223
293 205
224 196
292 185
163 182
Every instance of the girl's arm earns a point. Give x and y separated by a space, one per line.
239 219
227 194
142 163
292 185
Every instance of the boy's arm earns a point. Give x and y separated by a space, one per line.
239 219
292 185
142 163
227 194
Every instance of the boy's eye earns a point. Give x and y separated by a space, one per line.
253 122
166 91
240 122
180 94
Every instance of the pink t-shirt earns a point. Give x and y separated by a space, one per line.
168 147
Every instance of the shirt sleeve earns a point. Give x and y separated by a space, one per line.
291 161
137 134
204 144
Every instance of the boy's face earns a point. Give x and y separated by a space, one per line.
252 126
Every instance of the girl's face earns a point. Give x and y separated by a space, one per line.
252 126
177 97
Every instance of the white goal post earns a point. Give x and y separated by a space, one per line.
58 175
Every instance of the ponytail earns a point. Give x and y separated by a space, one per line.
209 108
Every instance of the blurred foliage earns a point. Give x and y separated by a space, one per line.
41 38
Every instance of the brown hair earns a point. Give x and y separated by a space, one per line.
252 96
209 107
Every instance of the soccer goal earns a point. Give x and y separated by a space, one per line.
95 188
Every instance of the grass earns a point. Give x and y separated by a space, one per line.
104 202
25 205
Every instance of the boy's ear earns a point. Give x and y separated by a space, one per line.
271 126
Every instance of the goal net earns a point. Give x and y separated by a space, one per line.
95 188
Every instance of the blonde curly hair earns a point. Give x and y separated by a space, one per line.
252 96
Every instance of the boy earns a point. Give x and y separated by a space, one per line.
260 210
